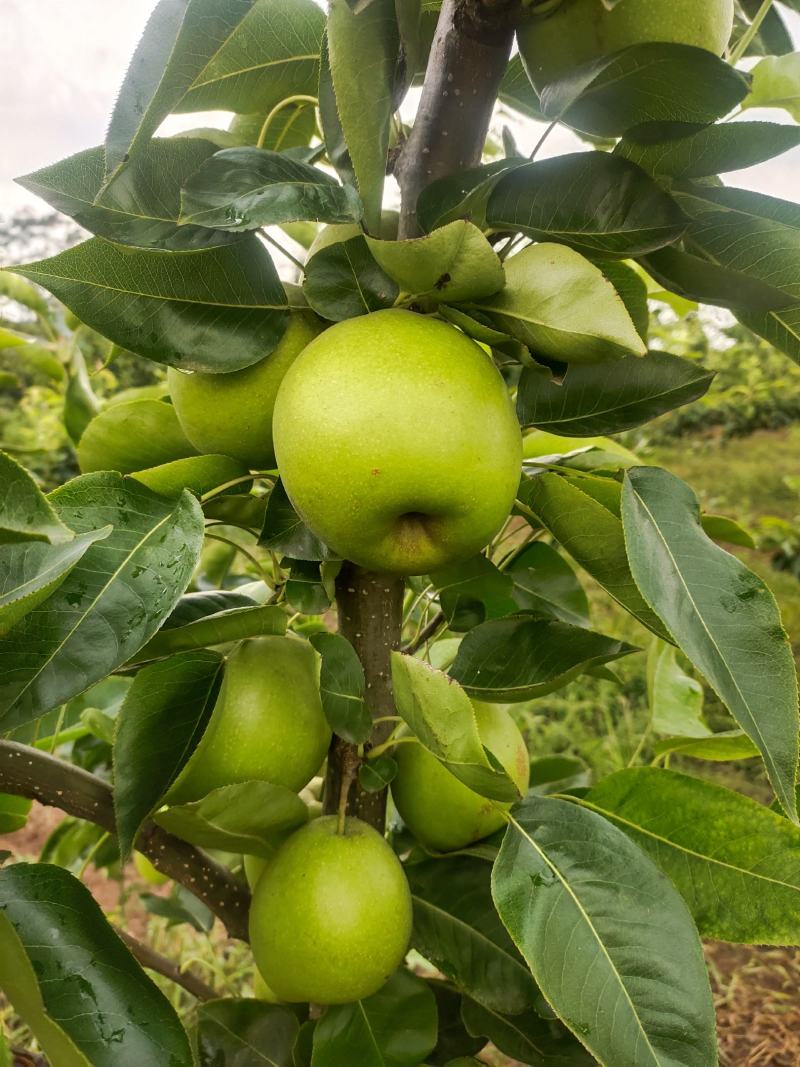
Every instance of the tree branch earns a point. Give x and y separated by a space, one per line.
154 961
27 772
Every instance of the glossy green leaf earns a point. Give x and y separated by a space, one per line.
330 124
463 195
244 188
652 82
395 1027
13 813
776 83
582 513
611 397
111 602
217 628
141 205
731 532
216 309
31 570
25 512
472 592
457 929
593 201
632 291
80 403
681 150
272 53
133 436
245 1033
305 587
160 723
718 748
523 656
559 304
342 686
293 126
735 862
721 615
455 262
375 774
367 42
73 980
675 698
517 92
545 583
454 1046
526 1036
556 774
440 714
198 474
608 939
343 281
179 39
285 533
248 817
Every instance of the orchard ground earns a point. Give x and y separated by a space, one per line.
755 989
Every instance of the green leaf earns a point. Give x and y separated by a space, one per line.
527 1037
180 37
31 570
305 588
70 977
244 188
455 262
735 862
342 687
245 1033
198 474
598 203
559 304
395 1027
25 512
612 397
721 615
473 591
453 1040
367 42
216 628
160 723
376 774
141 205
457 929
608 940
582 513
517 92
776 83
545 583
723 528
556 774
440 714
22 293
681 150
112 601
652 82
463 195
675 698
224 309
248 817
718 748
522 657
13 813
133 436
632 290
272 54
343 280
285 533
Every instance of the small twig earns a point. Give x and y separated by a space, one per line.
297 99
542 139
268 237
750 33
424 635
154 961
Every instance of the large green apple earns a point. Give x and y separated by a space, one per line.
231 414
267 725
578 31
441 811
331 915
397 442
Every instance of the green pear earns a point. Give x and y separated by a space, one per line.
439 810
397 442
231 413
578 31
331 915
267 725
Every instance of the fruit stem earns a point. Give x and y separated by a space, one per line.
379 750
284 251
750 33
299 98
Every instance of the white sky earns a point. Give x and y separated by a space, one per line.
61 63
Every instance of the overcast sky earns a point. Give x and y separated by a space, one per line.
61 63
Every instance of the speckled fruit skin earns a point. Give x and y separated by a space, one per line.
397 442
581 30
331 915
231 413
267 725
441 812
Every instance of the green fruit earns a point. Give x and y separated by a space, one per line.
254 867
442 812
578 31
133 436
231 414
331 916
267 725
397 442
147 871
261 991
